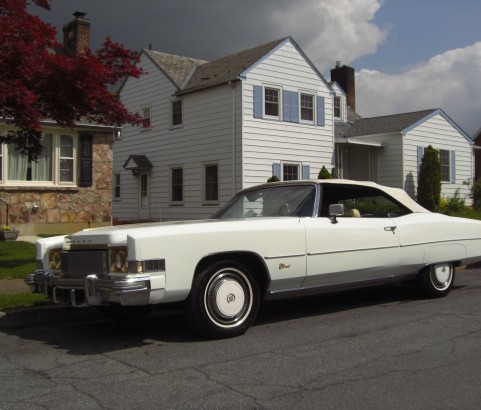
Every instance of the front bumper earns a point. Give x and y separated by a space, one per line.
92 290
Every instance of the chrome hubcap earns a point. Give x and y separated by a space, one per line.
228 298
441 276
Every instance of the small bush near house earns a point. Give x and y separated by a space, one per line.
273 178
452 205
429 180
324 173
476 192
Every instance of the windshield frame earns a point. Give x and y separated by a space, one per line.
220 214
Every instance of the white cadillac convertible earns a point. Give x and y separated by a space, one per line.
271 241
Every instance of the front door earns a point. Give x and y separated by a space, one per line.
144 196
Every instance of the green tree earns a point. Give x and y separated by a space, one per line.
429 180
324 173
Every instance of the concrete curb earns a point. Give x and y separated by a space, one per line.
41 315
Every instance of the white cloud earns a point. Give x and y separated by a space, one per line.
331 30
449 81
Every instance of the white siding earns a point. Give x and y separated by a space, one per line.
268 141
440 134
205 137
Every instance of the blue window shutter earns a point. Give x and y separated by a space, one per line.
453 167
257 101
306 172
290 106
420 156
321 116
276 169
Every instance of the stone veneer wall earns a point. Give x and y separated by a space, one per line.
64 210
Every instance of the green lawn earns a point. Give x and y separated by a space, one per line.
22 299
17 259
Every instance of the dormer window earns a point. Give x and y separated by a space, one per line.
337 107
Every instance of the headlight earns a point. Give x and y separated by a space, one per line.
147 266
118 260
54 259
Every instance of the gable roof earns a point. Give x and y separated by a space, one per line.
189 74
386 124
227 68
177 68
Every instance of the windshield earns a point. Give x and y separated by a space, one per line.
290 200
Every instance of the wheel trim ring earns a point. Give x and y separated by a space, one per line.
441 276
224 284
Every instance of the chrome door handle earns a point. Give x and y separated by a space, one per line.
390 228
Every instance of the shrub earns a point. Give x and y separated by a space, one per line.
429 180
476 192
324 173
273 178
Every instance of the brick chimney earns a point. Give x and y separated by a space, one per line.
344 76
76 34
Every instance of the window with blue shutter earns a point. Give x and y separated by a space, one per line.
257 101
321 116
276 169
306 172
290 106
420 155
453 167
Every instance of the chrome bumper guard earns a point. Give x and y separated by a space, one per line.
90 290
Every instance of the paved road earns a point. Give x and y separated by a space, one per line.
376 349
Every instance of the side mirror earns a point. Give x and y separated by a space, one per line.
336 210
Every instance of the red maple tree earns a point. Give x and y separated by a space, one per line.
36 83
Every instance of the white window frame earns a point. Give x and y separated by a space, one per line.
298 165
337 98
279 101
204 179
445 166
56 159
146 114
172 113
313 108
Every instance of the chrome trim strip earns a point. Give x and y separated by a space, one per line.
351 250
285 256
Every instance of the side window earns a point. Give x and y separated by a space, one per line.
177 184
211 181
146 115
117 186
360 201
177 113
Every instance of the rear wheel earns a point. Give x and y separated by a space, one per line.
436 280
224 300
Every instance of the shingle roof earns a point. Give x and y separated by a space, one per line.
227 68
178 68
385 124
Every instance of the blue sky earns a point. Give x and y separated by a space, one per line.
409 55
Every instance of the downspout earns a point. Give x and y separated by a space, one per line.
234 106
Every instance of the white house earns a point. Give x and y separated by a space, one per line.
212 128
390 149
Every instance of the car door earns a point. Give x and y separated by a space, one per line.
350 250
361 245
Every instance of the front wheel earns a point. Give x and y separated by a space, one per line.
436 280
224 300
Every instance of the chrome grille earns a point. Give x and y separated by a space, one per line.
83 263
